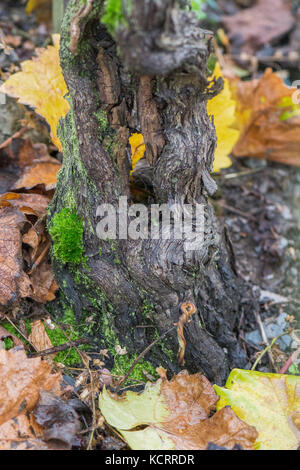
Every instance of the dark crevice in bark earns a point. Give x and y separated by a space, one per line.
156 86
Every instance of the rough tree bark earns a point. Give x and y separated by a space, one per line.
145 72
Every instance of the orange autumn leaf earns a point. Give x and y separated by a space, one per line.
268 119
41 172
41 85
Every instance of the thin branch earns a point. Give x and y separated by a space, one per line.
141 355
62 347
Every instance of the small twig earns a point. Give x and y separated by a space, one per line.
20 332
141 355
238 174
261 355
236 211
264 337
8 141
62 347
290 361
40 258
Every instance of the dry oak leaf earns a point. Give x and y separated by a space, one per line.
58 418
31 204
252 28
268 119
22 433
175 416
270 402
39 338
41 85
43 284
6 334
21 380
41 172
11 221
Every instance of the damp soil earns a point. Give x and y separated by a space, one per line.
258 202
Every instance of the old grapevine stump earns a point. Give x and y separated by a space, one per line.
142 69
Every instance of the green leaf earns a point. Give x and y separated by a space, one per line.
270 402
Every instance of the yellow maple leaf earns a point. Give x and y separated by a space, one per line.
223 108
41 84
138 148
32 5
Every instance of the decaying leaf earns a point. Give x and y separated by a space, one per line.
268 119
41 172
270 402
11 221
33 416
32 204
252 28
39 283
58 419
43 284
222 108
41 84
4 334
175 415
22 433
39 338
21 380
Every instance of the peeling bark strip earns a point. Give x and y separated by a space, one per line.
150 120
75 29
188 309
156 85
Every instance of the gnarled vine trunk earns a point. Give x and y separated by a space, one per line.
144 70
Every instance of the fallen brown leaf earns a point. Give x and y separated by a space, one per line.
32 204
42 172
6 334
252 28
11 222
268 120
43 283
22 433
21 381
175 415
58 418
39 338
33 416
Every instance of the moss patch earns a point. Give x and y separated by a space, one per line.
123 363
113 15
66 231
69 357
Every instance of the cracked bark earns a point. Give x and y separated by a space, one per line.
155 85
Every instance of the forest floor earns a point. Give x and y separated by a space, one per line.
257 201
